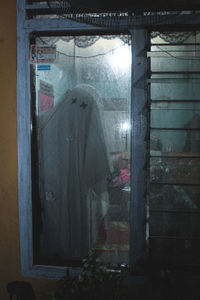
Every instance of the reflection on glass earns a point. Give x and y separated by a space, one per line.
82 116
175 151
175 90
174 198
177 142
181 115
180 170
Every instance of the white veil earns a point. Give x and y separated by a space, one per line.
73 166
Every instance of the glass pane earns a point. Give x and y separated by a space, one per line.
165 49
174 198
175 142
183 64
172 90
173 224
177 78
175 148
81 95
179 170
175 251
175 59
175 37
181 115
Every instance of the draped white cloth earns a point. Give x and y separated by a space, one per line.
73 166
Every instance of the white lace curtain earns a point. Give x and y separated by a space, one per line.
87 41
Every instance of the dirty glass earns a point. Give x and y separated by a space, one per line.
174 231
80 87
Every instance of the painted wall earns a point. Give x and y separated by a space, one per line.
9 220
9 217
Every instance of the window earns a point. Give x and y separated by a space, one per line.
108 140
174 150
75 157
81 147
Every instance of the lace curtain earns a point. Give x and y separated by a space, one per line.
172 37
84 41
87 41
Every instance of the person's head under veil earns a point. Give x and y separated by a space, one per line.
73 161
99 102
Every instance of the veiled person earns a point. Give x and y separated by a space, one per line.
73 166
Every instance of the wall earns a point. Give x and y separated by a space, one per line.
9 220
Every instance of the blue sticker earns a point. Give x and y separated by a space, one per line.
44 67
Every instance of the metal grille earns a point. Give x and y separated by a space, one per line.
112 16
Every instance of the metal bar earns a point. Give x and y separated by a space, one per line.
59 25
177 101
181 129
176 72
36 7
139 146
42 9
174 156
175 44
192 51
35 1
173 80
175 211
24 149
183 21
171 183
173 237
175 109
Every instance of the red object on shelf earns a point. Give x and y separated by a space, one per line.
45 101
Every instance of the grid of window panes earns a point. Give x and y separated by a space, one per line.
175 150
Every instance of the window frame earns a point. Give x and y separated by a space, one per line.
139 133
